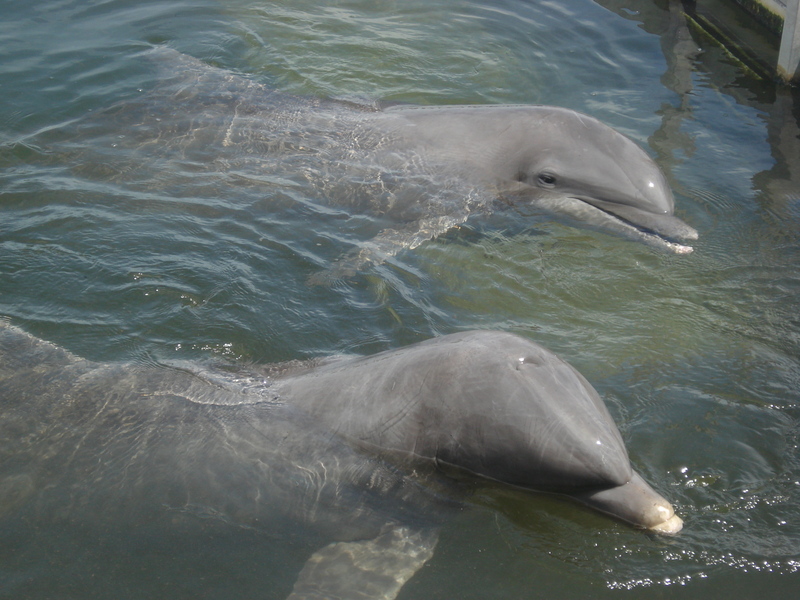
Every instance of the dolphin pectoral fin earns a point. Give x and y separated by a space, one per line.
637 503
373 569
383 246
347 266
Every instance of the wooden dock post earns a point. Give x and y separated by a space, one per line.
789 55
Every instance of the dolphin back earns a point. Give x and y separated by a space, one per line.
133 442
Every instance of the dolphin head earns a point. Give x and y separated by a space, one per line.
488 403
515 412
573 164
511 411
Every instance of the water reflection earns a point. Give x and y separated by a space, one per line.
753 416
687 52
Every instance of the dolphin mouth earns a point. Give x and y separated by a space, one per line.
635 502
661 230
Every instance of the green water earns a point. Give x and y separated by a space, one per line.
696 356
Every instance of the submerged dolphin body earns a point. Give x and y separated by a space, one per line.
362 451
418 171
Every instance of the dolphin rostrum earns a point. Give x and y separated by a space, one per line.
368 452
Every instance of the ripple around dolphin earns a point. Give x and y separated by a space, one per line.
729 331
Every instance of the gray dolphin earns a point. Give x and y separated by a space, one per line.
418 171
547 156
368 452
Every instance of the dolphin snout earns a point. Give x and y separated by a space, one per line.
635 502
665 225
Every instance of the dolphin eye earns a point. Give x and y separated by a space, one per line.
547 179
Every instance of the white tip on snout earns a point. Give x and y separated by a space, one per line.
670 527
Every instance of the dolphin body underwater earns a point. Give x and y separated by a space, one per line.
370 453
418 171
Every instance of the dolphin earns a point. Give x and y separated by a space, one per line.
417 171
552 157
369 453
527 158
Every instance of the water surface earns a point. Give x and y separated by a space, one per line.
696 356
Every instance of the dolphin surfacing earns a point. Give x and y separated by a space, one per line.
360 450
417 171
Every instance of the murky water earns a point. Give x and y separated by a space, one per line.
696 356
